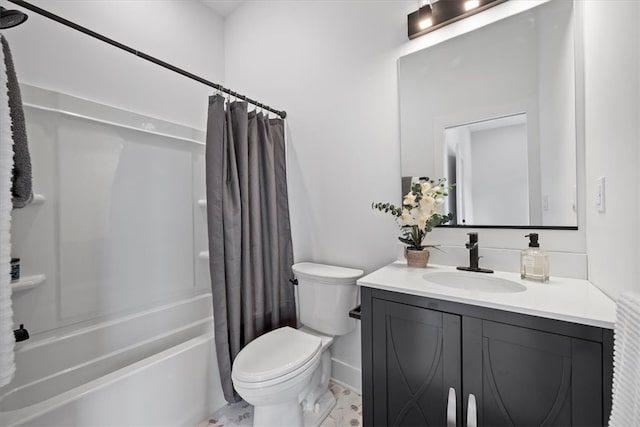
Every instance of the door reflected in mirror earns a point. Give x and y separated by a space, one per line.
487 192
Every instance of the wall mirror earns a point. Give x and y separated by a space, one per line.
493 111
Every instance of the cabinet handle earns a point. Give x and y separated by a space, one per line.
451 408
472 412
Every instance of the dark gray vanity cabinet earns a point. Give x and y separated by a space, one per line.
523 370
415 364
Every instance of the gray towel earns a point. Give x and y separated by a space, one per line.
21 190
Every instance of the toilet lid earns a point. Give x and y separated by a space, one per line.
274 354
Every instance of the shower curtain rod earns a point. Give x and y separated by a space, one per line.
143 55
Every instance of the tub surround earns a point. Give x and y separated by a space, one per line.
569 300
142 393
46 237
119 361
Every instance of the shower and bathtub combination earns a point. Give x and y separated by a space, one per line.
115 287
127 334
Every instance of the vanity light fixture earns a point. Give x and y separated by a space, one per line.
434 14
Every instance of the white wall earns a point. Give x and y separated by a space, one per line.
612 109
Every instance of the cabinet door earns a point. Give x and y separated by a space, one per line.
524 377
416 358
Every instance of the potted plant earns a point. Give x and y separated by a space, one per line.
421 210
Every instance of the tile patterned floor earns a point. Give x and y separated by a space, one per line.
346 413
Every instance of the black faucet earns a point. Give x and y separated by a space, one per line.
472 245
21 334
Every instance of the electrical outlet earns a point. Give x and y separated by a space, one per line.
600 194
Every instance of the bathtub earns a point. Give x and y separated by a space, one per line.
153 368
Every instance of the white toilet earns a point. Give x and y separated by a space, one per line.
285 373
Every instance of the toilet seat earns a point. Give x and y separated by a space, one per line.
275 357
275 384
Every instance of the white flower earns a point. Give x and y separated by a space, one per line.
420 208
421 216
422 221
426 203
409 198
406 218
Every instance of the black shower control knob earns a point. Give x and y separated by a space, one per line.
21 334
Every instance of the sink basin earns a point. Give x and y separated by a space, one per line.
482 282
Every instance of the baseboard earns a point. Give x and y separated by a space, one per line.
346 375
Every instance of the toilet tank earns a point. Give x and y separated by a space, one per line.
326 293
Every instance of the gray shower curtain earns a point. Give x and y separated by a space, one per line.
250 250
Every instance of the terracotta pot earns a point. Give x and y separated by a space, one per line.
415 258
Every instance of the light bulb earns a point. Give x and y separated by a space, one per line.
471 4
425 23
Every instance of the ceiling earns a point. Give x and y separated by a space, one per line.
222 7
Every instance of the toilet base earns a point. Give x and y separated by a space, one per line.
323 406
283 414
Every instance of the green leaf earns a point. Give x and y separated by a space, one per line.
405 240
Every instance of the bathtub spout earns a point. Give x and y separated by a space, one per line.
21 334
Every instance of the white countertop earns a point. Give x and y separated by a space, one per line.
570 300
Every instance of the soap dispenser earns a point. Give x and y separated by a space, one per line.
534 263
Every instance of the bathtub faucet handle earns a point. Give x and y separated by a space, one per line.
21 334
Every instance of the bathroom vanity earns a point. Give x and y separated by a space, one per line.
530 353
